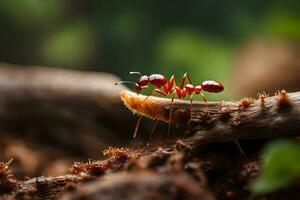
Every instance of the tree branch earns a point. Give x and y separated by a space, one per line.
126 174
58 104
274 116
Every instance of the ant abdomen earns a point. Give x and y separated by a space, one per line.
212 86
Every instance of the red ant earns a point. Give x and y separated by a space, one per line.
159 81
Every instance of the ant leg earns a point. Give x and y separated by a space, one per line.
178 92
152 131
148 96
157 91
204 99
170 116
184 78
137 126
240 148
160 92
173 97
169 86
191 105
191 99
187 76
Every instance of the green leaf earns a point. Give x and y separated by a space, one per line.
280 167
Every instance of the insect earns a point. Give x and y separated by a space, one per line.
182 91
156 80
171 87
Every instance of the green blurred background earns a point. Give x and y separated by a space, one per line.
250 46
204 38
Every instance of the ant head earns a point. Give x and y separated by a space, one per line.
144 79
138 88
140 85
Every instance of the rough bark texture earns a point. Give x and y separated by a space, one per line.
51 117
51 106
266 117
127 174
172 172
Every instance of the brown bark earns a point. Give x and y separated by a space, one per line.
159 173
49 99
266 117
48 105
127 174
144 185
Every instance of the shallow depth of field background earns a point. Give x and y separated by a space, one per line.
250 46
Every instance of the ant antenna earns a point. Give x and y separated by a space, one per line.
139 73
122 82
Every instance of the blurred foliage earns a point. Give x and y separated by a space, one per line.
181 50
168 37
281 166
30 13
69 47
283 25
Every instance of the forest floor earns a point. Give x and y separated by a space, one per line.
45 127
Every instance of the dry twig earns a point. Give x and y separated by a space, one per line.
274 116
